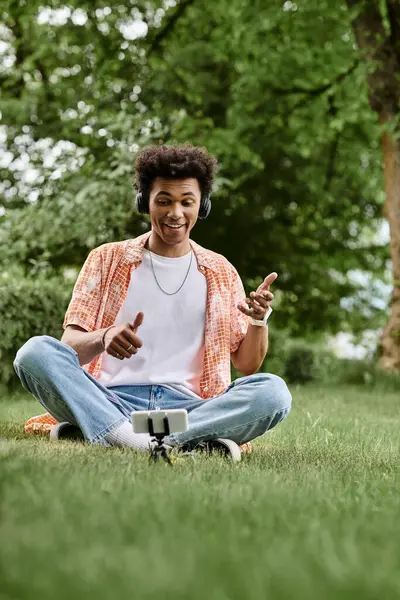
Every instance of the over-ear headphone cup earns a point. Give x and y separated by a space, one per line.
205 208
141 204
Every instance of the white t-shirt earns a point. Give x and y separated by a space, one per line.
172 331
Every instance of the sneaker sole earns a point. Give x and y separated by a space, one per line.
66 431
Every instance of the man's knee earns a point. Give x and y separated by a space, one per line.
31 354
273 394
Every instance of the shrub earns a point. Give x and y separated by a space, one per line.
299 365
366 373
298 360
28 307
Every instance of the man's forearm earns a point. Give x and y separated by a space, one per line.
86 343
251 352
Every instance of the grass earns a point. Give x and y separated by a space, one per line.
313 513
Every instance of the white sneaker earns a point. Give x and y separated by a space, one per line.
66 431
224 446
227 447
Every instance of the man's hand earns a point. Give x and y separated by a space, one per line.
257 304
121 341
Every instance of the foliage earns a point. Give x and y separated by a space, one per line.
299 365
365 373
300 361
278 94
29 307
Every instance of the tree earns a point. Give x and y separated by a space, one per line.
377 30
278 94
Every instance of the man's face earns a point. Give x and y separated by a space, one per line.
174 208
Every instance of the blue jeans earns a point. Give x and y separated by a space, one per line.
50 370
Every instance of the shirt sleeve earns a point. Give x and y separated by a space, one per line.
239 321
86 296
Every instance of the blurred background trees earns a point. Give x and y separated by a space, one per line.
377 29
280 92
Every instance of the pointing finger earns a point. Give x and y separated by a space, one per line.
268 281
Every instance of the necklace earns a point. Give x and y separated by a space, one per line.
183 282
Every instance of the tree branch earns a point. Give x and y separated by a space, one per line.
319 90
330 169
393 11
166 30
378 47
153 44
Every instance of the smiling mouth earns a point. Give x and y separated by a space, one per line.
173 226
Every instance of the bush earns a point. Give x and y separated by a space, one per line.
299 365
366 373
279 346
28 307
310 362
299 361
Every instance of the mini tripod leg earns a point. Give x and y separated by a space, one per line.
159 451
160 448
165 455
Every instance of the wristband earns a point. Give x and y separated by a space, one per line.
262 322
104 335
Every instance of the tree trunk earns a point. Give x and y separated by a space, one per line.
390 339
380 42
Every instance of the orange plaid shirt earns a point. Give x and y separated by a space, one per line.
101 289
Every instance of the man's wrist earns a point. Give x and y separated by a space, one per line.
261 322
104 335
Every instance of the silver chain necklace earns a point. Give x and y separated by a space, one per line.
183 283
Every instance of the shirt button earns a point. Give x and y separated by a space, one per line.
205 389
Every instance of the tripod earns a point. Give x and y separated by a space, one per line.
160 449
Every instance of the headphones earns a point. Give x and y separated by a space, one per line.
142 205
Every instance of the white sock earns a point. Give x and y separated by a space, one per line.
123 436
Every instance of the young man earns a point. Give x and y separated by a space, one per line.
153 323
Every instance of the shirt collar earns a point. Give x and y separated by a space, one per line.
134 252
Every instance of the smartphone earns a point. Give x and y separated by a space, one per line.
177 420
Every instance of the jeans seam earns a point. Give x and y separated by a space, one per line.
42 386
58 398
108 429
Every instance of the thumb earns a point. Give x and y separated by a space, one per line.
137 322
268 281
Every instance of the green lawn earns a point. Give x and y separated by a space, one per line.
313 513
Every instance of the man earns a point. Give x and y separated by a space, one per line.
153 323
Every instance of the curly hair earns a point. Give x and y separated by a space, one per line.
175 162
